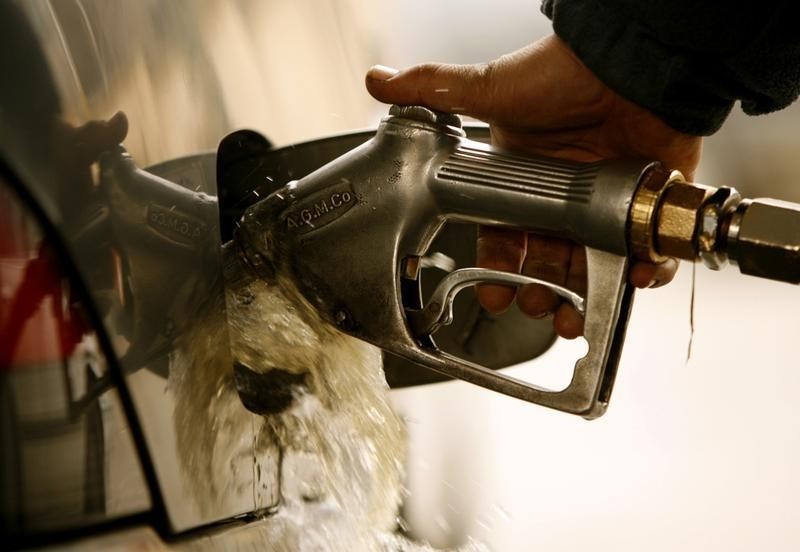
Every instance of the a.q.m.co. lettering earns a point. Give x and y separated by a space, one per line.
322 210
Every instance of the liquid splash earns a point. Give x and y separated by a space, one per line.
327 471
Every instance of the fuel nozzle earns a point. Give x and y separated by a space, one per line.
674 218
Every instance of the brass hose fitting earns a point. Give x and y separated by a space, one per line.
670 217
678 219
643 214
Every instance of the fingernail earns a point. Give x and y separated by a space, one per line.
541 315
654 284
381 72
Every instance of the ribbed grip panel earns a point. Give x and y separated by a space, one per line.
503 171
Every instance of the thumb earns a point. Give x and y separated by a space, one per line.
463 89
96 136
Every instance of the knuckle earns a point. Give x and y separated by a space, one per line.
552 271
483 77
427 74
484 73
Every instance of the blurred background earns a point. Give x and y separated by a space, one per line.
694 454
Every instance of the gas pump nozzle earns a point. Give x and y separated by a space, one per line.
350 237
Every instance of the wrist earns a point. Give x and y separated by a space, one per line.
623 55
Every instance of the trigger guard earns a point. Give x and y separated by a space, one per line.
608 306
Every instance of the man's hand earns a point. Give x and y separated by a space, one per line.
75 150
543 100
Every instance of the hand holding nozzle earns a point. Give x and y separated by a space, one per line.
364 221
542 100
576 117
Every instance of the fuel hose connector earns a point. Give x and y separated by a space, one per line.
675 218
762 236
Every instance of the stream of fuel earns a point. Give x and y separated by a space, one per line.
317 450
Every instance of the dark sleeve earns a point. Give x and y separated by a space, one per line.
687 61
